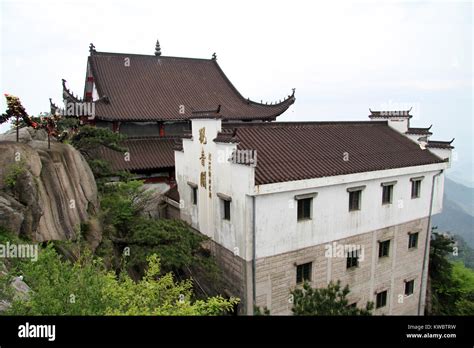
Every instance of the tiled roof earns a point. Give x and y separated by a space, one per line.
288 151
144 153
440 144
421 131
157 88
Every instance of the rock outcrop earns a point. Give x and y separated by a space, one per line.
45 194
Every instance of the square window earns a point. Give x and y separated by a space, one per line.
194 197
303 272
354 200
387 194
226 206
412 240
381 299
352 259
304 209
415 188
409 287
384 248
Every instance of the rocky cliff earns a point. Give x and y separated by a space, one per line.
45 194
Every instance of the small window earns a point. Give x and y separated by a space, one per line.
194 195
412 240
384 248
381 300
387 194
354 200
226 205
352 305
409 287
304 209
415 188
303 272
352 259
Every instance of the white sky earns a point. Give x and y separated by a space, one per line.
341 56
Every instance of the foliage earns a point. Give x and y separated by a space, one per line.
14 171
122 203
158 294
445 289
465 278
179 248
331 300
260 311
464 252
15 109
88 139
86 288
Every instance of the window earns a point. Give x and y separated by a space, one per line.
354 200
387 194
415 188
381 299
304 209
352 259
352 305
194 196
413 240
384 248
226 204
409 287
355 196
194 190
303 272
226 200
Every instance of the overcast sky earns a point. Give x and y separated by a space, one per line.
342 57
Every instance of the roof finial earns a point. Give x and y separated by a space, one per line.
157 49
214 56
91 48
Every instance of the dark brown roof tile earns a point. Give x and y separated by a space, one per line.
153 88
288 151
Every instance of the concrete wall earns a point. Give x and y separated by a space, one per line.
276 275
236 276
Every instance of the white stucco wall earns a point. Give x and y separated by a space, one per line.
233 180
277 229
400 124
442 153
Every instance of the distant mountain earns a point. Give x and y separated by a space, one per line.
458 211
460 194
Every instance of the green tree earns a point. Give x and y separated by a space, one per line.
180 249
122 203
331 300
88 139
465 278
85 288
445 289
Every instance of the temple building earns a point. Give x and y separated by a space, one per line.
289 202
281 202
151 99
